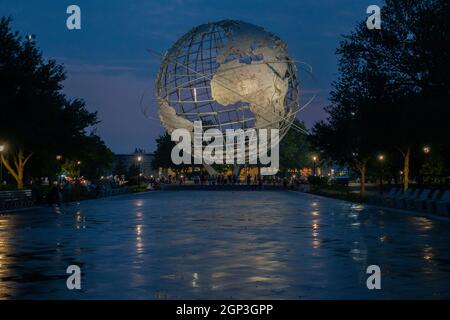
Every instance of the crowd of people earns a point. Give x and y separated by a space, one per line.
71 189
230 179
65 190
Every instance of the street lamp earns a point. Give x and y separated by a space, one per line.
79 169
314 162
426 150
58 174
381 158
139 159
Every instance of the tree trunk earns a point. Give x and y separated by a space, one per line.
362 175
19 162
406 169
19 182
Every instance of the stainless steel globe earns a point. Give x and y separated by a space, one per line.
229 75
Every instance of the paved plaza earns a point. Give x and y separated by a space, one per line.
222 245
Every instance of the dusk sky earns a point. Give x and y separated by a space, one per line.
108 64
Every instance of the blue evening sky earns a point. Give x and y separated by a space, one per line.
108 64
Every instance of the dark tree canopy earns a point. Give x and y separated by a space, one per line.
295 149
164 146
392 93
36 118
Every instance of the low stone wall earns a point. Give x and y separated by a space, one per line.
232 187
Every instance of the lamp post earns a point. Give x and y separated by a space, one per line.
59 158
314 165
381 158
139 159
426 150
79 168
2 148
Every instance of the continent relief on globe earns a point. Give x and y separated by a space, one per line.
256 79
170 120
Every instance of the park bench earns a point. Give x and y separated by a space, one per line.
389 200
412 202
400 201
425 200
442 206
14 199
379 199
426 204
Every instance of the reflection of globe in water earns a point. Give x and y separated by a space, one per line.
230 75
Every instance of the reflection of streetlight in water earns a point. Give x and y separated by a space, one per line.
194 280
2 149
315 234
139 242
421 223
428 253
6 251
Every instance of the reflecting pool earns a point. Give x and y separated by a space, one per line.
222 245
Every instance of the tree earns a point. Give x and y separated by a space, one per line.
336 141
295 149
162 156
120 169
411 53
96 158
133 171
71 167
347 136
392 90
37 121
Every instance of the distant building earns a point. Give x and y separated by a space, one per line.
143 160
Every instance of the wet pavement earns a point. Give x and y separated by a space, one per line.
222 245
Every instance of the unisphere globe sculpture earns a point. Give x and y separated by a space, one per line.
229 75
